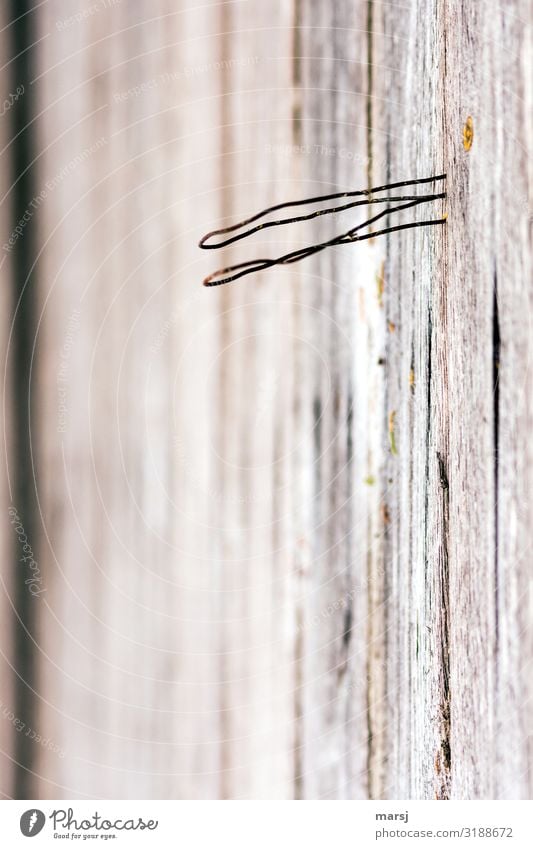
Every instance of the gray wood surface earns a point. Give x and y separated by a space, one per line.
460 602
284 525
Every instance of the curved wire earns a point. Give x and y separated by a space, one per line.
235 271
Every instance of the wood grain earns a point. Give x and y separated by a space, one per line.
459 561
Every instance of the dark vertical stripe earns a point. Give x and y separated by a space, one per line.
23 281
297 73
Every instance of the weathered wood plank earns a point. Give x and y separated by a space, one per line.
340 607
490 283
129 651
254 441
459 557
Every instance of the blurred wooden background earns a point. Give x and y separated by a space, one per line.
281 529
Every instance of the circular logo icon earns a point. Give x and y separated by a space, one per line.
32 822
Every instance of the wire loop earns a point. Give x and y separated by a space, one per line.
233 272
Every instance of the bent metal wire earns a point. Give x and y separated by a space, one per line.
233 272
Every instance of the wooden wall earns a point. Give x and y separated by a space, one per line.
284 525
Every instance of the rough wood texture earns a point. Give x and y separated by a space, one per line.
460 618
284 526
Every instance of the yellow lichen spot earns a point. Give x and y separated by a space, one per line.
380 283
468 133
370 480
392 437
392 327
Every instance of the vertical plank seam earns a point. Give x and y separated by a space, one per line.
298 767
496 346
224 394
370 84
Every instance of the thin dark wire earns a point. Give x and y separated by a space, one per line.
344 238
365 192
349 236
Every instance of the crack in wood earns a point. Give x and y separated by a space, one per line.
443 619
297 73
428 436
443 477
298 704
224 712
496 349
370 84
